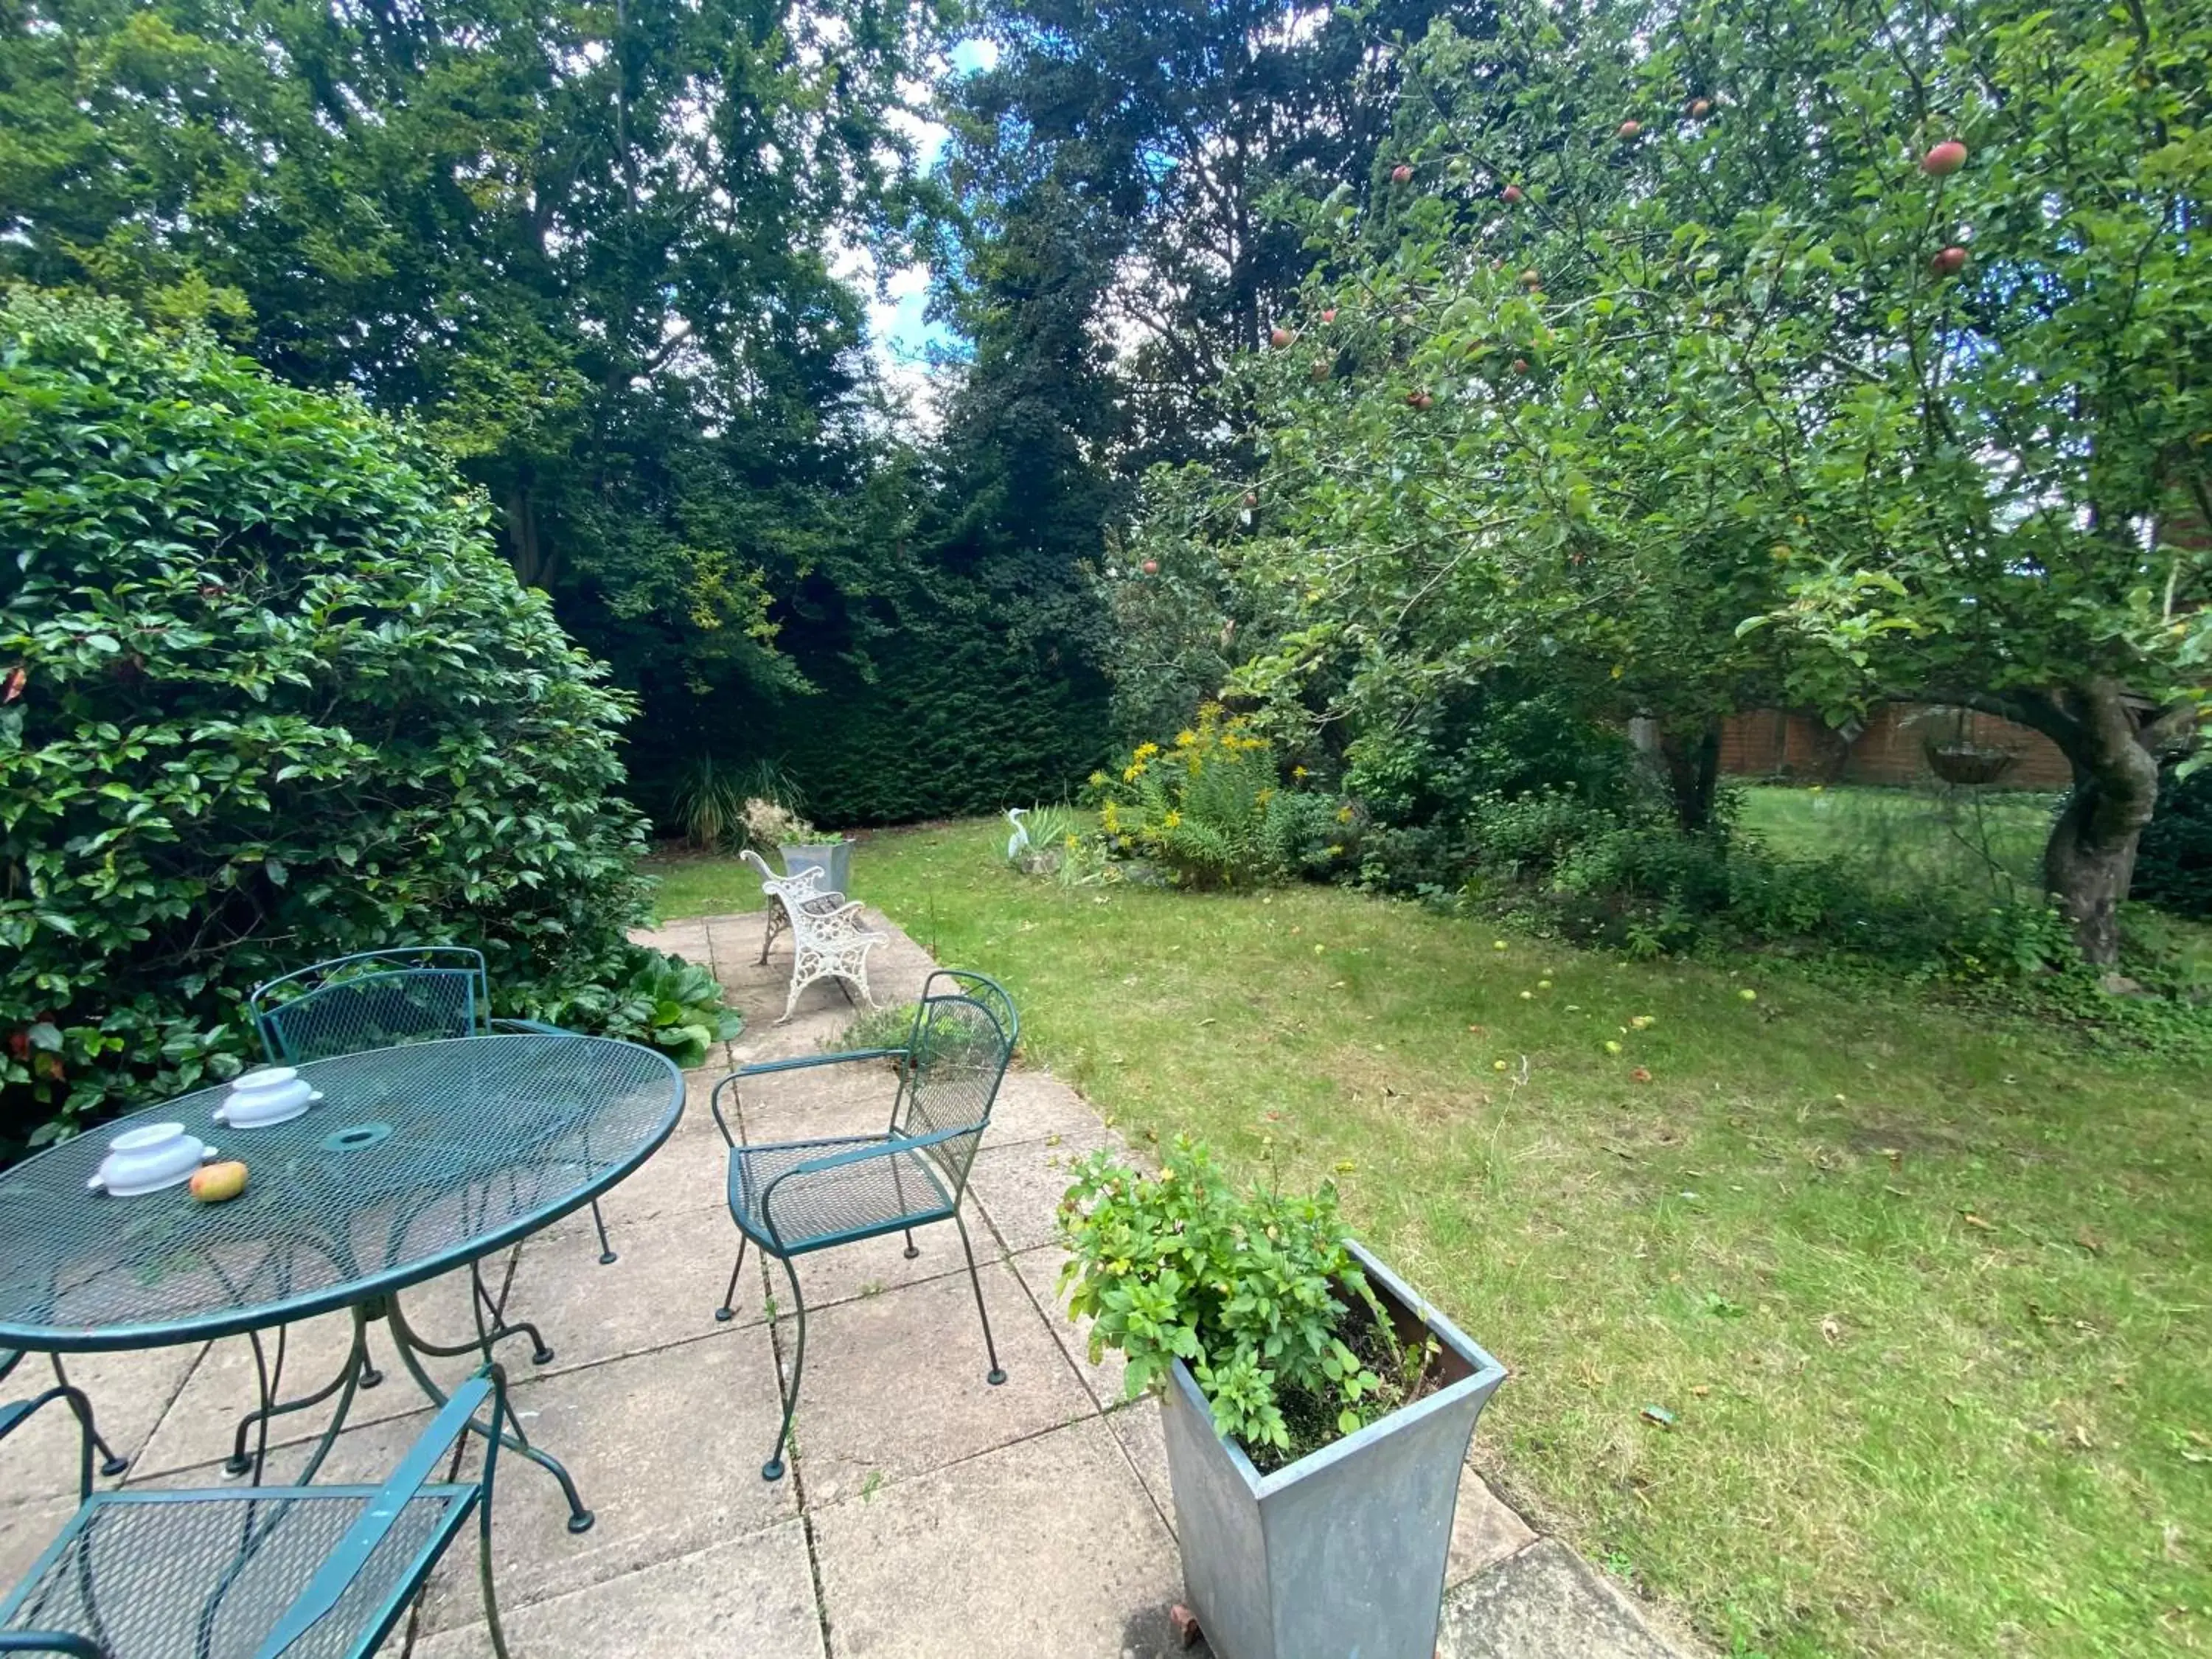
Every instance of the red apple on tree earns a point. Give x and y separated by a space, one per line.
1278 336
1700 108
1420 399
1152 566
1511 193
1630 129
1401 174
1329 315
1320 369
1251 498
1950 262
1531 278
1947 157
1520 365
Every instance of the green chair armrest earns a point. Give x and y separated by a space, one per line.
762 1068
768 1067
528 1025
351 1552
48 1641
16 1412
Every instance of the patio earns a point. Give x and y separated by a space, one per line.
925 1513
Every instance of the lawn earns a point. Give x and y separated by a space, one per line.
1904 837
1928 1298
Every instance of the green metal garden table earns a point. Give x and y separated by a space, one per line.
417 1160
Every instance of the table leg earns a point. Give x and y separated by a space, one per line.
354 1373
410 1350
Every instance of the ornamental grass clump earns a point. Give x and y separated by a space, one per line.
1253 1290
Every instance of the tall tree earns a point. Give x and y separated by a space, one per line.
589 245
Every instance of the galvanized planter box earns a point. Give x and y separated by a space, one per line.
833 858
1341 1554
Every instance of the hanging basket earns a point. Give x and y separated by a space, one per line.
1969 763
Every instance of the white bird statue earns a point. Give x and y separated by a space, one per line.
1018 842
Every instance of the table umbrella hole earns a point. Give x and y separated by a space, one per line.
358 1135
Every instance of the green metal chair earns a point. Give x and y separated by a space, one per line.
308 1572
381 1000
794 1198
111 1464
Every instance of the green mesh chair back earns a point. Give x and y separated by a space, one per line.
373 1000
963 1035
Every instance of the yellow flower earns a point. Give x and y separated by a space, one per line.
1133 771
1110 817
1264 797
1097 778
1344 815
1298 771
1146 750
1172 819
1185 738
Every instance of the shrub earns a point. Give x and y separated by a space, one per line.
268 693
1253 1291
1211 809
662 1001
2173 860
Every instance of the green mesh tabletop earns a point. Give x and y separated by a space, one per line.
416 1159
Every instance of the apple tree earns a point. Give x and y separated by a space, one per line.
1852 350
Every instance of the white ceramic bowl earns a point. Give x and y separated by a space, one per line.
145 1160
275 1094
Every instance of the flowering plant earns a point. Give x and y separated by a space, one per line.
1210 807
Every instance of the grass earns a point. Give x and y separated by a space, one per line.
1906 838
1928 1297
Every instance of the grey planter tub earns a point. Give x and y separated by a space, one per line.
1341 1554
833 858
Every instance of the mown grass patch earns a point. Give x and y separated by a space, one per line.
1926 1294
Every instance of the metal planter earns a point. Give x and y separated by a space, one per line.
833 858
1341 1554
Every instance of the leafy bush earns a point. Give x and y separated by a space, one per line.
268 695
1212 810
2173 860
663 1001
1253 1291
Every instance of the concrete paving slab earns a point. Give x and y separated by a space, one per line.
686 1174
1046 1547
851 1099
200 1423
873 1265
1144 1441
1020 1186
666 1447
26 1530
668 1277
1038 1106
750 1595
1484 1531
1039 1271
1543 1603
894 1383
129 1393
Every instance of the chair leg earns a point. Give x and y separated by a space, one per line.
773 1469
606 1251
995 1376
110 1464
724 1314
484 1568
913 1249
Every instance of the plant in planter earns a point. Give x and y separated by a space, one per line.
770 825
1317 1411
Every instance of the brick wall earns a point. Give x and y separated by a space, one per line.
1890 750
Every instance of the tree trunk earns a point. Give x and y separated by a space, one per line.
1692 758
2090 859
